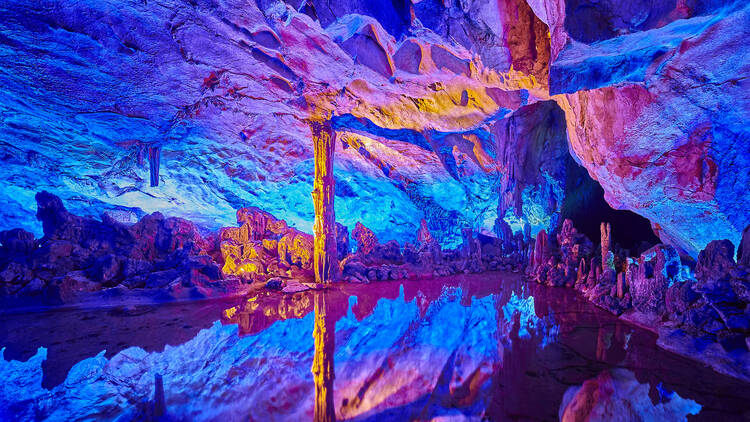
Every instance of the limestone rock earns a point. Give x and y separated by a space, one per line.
17 241
743 250
365 238
658 268
715 261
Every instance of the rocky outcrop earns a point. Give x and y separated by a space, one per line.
80 255
562 263
264 247
656 288
715 261
654 272
374 261
668 151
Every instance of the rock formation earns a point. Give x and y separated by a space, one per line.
80 255
325 233
437 98
656 287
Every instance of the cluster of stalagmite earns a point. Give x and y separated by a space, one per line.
708 298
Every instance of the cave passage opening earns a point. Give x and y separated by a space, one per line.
586 207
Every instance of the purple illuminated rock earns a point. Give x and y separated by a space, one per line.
80 255
743 250
342 240
658 268
715 261
17 241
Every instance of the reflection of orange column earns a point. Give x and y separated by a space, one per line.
322 369
324 144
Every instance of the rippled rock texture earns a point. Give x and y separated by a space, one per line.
196 109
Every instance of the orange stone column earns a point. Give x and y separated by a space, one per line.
324 229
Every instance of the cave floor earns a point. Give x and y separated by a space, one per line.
466 346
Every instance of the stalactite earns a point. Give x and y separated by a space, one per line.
325 255
322 369
154 156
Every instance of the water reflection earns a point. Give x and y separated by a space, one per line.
417 351
475 347
322 368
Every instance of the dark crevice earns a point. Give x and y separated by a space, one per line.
585 205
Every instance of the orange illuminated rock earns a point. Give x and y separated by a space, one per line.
366 239
296 248
245 260
325 242
260 224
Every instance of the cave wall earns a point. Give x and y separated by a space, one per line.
657 113
431 98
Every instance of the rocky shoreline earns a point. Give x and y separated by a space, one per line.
162 259
699 309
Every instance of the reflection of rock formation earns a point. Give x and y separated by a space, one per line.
322 368
616 395
429 353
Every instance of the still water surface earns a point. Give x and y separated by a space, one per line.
479 347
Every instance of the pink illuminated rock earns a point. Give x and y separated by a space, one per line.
366 240
617 395
643 107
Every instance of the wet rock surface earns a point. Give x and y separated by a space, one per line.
706 302
79 255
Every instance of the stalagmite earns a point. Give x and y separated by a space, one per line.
581 275
541 249
605 242
322 369
325 255
621 285
591 280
